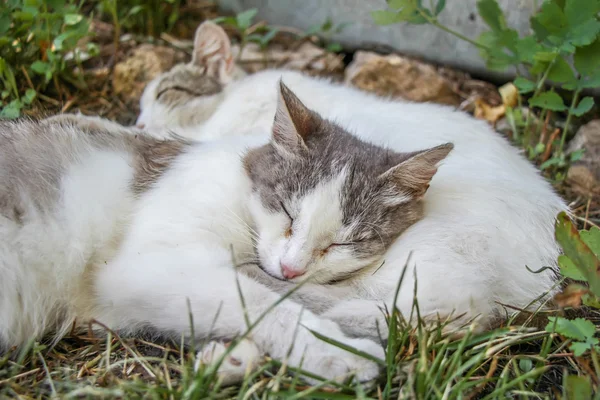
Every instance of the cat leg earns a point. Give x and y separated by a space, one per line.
89 123
360 318
152 288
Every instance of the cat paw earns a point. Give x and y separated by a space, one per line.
243 359
337 364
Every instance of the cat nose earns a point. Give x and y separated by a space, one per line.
288 272
140 126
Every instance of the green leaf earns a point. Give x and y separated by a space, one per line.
524 85
385 17
561 71
72 19
539 148
589 83
40 67
583 107
412 13
29 96
548 101
397 4
585 33
578 387
592 239
56 4
22 16
527 47
591 300
492 14
244 19
12 110
545 56
576 156
548 163
231 21
136 10
327 25
267 37
550 20
578 348
587 58
579 328
581 11
525 364
581 255
334 47
439 7
568 269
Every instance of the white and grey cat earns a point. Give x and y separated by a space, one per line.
101 223
488 214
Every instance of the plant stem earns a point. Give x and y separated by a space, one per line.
434 21
568 122
538 89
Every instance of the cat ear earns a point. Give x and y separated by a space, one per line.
212 50
293 123
412 176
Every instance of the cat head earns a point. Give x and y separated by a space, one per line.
188 94
327 204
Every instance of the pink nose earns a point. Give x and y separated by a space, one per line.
140 126
289 272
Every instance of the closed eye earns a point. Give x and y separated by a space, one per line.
178 88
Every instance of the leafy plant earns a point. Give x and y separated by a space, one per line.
580 263
564 49
35 37
580 330
247 31
149 17
325 32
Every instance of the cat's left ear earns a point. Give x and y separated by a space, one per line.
212 50
412 176
293 124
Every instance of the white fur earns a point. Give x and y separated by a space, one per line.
488 213
134 263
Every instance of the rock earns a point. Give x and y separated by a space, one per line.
397 76
584 174
144 63
303 56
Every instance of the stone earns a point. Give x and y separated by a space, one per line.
144 63
584 175
303 56
399 77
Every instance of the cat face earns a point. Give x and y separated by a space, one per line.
326 204
188 94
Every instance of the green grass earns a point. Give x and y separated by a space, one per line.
516 361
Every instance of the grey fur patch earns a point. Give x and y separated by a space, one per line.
379 200
185 82
35 155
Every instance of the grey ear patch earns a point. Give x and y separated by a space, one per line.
294 122
412 176
212 51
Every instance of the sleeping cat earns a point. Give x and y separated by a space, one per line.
105 224
487 216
